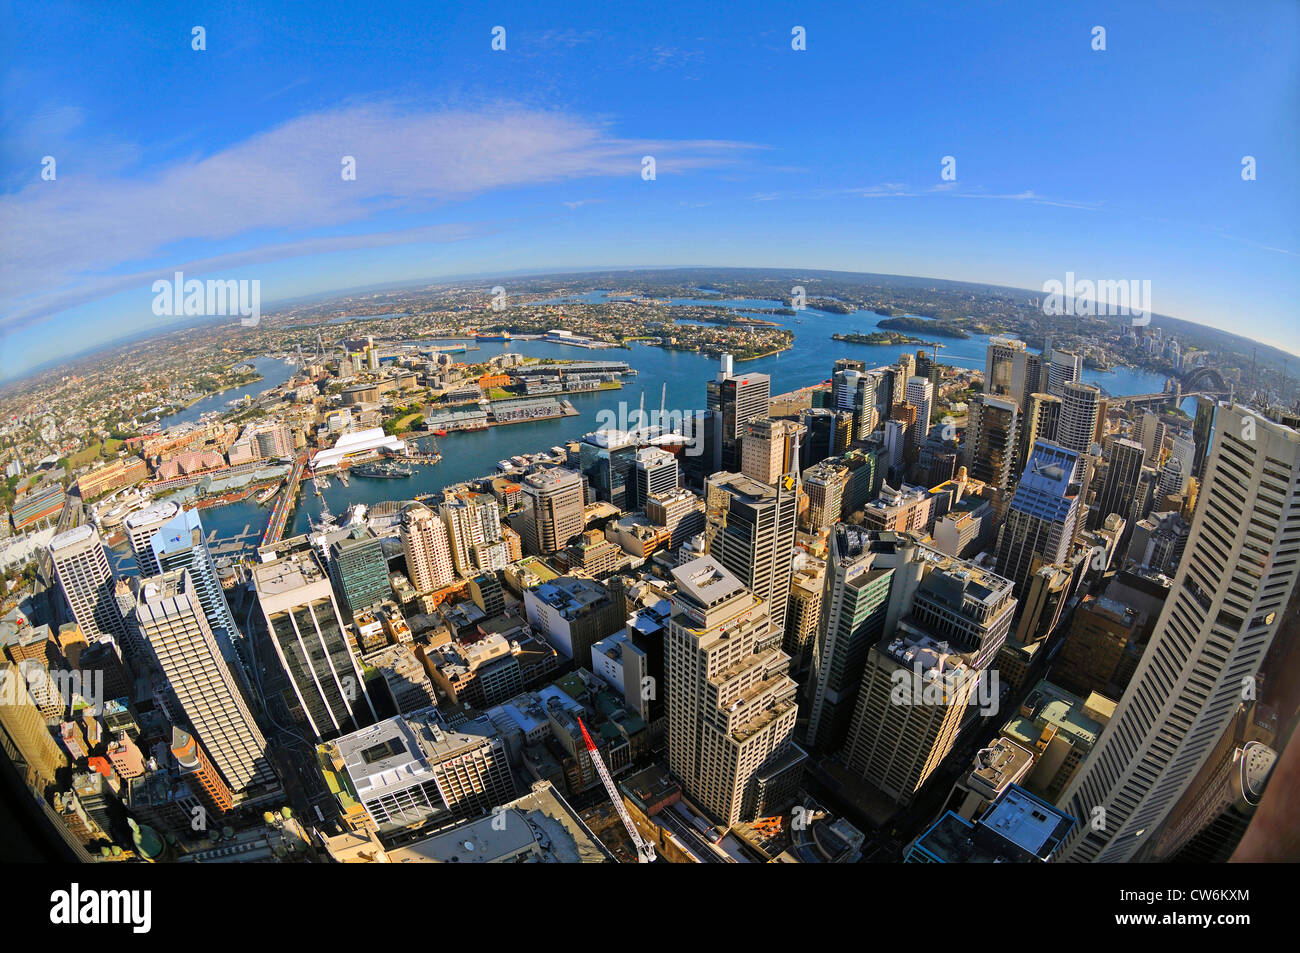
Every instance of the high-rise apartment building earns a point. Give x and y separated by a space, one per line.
1041 420
553 510
87 582
731 705
1226 604
920 394
473 524
200 690
427 549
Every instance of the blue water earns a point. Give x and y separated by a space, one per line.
470 455
274 373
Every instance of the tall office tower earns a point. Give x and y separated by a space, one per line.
194 767
907 363
704 451
1119 489
894 441
654 471
26 739
825 484
310 638
856 611
766 452
82 569
731 705
1062 367
992 433
867 404
920 393
605 458
1158 542
1145 499
553 511
1224 608
1151 434
1202 433
200 690
999 368
927 368
1209 830
1027 369
360 570
818 440
473 533
1172 480
750 529
804 612
844 383
1080 407
178 544
1041 420
427 549
914 696
1043 515
738 399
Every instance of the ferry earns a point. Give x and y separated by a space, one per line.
382 471
264 497
440 433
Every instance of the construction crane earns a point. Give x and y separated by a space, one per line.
645 853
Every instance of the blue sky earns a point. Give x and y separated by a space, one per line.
1115 164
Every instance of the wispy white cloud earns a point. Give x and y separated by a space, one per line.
68 240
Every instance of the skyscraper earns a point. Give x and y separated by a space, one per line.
920 393
178 544
653 471
553 510
1080 409
856 608
1202 433
992 434
1041 420
310 638
1062 367
200 690
750 531
738 399
86 579
1119 489
1224 608
999 368
359 570
473 533
766 450
427 549
1043 515
731 705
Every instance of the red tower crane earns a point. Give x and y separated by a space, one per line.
645 852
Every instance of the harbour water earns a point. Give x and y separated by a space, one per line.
469 455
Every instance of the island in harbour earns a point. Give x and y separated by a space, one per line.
879 338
